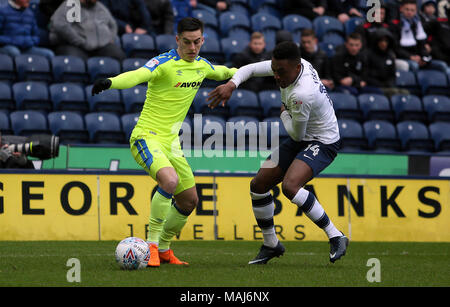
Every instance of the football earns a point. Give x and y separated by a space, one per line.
132 253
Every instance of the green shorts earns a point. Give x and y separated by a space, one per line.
153 153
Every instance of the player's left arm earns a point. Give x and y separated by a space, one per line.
125 80
220 72
296 121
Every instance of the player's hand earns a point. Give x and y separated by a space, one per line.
220 94
100 85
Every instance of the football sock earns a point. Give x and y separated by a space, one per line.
175 221
313 210
160 206
263 209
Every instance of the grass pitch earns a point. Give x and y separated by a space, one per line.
224 264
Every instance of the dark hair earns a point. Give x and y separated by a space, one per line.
355 36
287 50
408 2
308 32
189 24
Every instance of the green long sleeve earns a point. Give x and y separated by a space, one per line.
130 79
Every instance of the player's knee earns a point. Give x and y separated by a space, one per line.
289 188
189 205
170 184
256 186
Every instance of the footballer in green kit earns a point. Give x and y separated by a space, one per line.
173 80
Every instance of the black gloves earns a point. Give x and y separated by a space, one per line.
100 85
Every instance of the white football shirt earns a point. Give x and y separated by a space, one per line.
306 99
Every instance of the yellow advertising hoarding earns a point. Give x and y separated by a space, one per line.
111 207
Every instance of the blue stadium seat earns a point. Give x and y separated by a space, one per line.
441 137
68 97
407 80
381 135
28 122
32 95
414 136
165 42
5 126
262 21
270 101
294 23
437 107
200 104
133 64
212 51
433 82
346 106
273 123
229 20
210 32
231 46
69 68
246 129
102 67
138 45
240 7
352 135
6 100
270 37
207 17
128 123
69 126
329 48
333 38
33 67
244 103
104 128
408 107
326 24
7 70
240 34
376 106
351 24
106 101
134 98
211 125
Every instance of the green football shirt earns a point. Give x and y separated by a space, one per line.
172 86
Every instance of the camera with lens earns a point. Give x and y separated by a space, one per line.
16 149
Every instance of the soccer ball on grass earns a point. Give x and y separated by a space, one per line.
132 253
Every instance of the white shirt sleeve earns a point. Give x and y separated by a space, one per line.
294 127
260 69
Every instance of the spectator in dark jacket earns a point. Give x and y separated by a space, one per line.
308 8
162 15
343 9
254 52
437 31
410 34
318 58
131 16
19 32
381 63
96 35
350 67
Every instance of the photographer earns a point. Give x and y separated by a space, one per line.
14 150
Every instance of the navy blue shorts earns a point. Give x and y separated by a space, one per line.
316 154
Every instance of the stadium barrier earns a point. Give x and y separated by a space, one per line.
110 206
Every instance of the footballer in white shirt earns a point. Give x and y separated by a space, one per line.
308 116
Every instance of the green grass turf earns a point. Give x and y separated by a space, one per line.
224 264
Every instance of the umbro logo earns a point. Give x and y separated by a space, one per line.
188 84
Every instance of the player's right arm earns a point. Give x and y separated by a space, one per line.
125 80
222 93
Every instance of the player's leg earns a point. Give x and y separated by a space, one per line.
308 163
269 175
148 154
186 200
